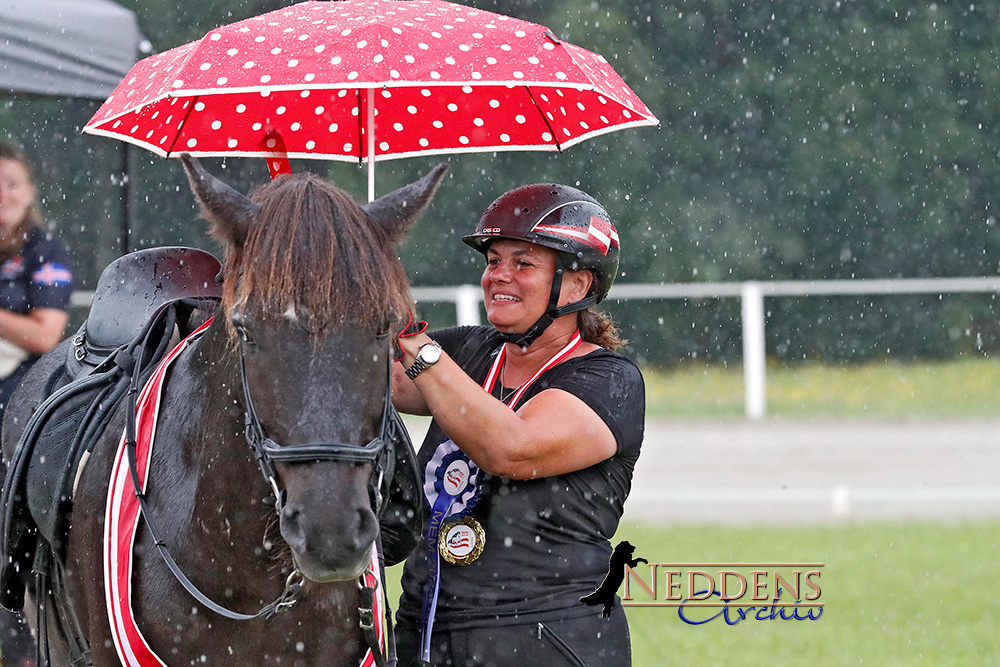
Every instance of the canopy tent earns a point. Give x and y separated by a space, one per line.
70 48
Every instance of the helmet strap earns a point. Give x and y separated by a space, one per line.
553 312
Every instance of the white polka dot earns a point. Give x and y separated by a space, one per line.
205 66
409 59
280 110
216 124
232 143
256 126
335 60
435 75
518 75
318 110
452 107
116 124
626 113
561 76
520 33
304 94
310 145
293 63
466 89
546 136
398 127
342 93
495 104
240 108
191 143
533 60
477 35
149 134
491 60
266 78
303 38
295 127
545 98
548 45
584 125
412 109
425 92
378 58
384 43
362 44
436 35
422 46
200 106
271 143
438 124
345 32
309 77
477 75
332 128
248 64
347 148
275 51
221 81
478 122
566 132
394 74
424 143
259 39
215 36
548 114
463 140
354 111
384 146
505 138
450 60
320 49
464 47
604 119
520 119
505 47
351 76
163 140
600 98
386 93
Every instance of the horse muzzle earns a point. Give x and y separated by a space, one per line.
329 546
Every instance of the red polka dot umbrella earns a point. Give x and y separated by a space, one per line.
369 80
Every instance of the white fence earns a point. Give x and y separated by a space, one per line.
467 300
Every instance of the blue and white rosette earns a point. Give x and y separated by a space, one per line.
452 487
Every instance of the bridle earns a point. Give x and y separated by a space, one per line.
376 452
267 451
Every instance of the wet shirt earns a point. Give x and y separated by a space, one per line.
37 277
547 539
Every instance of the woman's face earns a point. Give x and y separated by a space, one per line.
16 194
516 283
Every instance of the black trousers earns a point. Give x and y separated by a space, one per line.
591 641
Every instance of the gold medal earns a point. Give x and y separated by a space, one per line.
460 542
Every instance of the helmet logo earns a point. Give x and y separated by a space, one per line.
491 230
601 235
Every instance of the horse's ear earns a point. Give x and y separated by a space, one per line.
397 210
230 212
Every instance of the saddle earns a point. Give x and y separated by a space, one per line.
143 301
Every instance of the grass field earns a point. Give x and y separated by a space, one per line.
959 388
894 594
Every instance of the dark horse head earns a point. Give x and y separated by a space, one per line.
313 287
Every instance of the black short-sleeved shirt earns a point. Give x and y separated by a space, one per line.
547 539
37 277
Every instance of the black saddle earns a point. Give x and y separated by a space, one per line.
142 303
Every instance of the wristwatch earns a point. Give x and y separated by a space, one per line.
427 356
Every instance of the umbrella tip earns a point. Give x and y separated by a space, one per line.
551 35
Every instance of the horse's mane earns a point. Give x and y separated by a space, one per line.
313 246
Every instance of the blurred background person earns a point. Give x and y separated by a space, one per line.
35 286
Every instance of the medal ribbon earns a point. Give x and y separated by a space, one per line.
441 501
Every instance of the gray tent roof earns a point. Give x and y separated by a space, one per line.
74 48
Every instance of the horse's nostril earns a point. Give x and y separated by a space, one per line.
367 528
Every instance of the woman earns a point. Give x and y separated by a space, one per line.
528 460
35 286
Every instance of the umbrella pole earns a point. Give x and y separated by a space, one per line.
371 144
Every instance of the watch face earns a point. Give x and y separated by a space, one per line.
429 354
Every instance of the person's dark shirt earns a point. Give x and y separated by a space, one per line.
547 539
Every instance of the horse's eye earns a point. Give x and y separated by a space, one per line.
242 332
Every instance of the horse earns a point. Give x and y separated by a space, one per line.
298 357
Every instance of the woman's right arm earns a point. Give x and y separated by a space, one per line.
405 395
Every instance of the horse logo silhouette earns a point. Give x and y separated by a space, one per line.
605 593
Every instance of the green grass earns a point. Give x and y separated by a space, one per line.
894 594
960 388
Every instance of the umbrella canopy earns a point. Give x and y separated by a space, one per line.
369 80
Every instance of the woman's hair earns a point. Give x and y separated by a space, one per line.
11 152
598 328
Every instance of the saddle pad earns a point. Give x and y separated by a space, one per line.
121 527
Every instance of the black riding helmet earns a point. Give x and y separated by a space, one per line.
569 221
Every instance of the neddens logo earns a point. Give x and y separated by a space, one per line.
734 592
